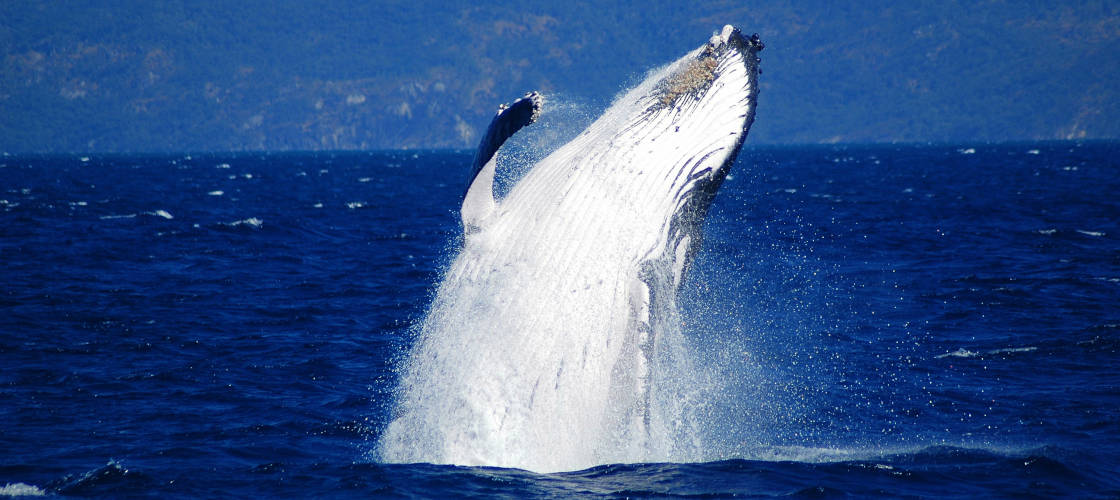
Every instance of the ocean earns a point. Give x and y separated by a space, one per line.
873 321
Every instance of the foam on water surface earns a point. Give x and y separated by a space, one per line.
21 490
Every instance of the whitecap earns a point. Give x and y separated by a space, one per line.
1010 350
160 213
790 190
355 204
965 353
216 192
108 217
21 490
253 222
247 176
1032 152
1091 233
1047 232
959 353
318 205
808 454
1070 168
967 151
365 179
85 159
223 165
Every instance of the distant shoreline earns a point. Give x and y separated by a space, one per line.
748 146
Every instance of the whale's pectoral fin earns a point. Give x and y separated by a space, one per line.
479 200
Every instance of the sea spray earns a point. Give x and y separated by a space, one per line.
563 417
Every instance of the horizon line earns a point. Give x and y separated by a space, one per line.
747 146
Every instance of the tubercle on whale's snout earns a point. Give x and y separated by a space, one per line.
731 36
749 47
756 43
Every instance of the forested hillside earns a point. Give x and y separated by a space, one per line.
178 75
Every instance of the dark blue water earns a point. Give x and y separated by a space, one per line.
885 320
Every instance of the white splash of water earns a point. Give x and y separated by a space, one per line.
21 490
554 408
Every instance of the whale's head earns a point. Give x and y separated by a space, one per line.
647 169
705 104
685 121
692 118
685 126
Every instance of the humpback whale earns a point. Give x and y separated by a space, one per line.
544 346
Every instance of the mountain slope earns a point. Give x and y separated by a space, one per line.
209 75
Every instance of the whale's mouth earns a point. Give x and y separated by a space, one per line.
695 77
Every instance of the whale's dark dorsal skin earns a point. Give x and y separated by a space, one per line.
478 201
549 345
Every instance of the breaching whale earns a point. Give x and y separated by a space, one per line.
544 344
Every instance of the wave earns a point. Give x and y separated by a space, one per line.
920 471
21 490
157 213
111 479
251 222
965 353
